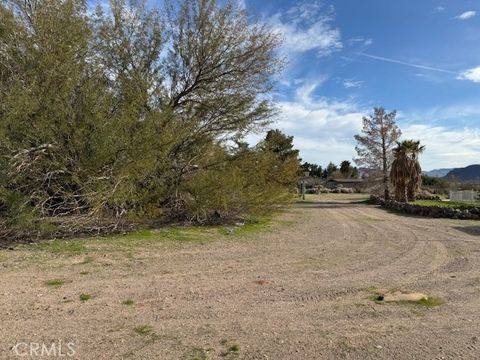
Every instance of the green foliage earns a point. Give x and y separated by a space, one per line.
85 297
67 247
197 353
114 117
375 145
450 204
331 169
315 170
56 283
347 171
438 185
231 352
406 172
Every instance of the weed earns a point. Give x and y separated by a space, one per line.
55 283
143 330
85 297
128 302
232 351
147 332
196 353
252 225
67 247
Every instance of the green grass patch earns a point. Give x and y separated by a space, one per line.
425 302
128 243
448 204
197 353
85 297
84 272
143 330
55 283
128 302
251 225
145 237
232 351
64 247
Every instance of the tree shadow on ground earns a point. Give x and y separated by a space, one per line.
306 204
470 230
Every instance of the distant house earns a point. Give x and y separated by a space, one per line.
357 184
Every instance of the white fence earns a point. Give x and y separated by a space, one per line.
467 195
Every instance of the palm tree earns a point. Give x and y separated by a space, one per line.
400 172
406 173
416 176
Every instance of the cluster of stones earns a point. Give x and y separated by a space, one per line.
427 211
340 190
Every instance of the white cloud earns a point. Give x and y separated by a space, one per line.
446 147
439 9
351 83
360 40
471 74
467 113
405 63
466 15
323 129
307 27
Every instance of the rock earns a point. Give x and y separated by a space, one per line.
400 296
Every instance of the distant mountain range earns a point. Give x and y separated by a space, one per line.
466 174
437 172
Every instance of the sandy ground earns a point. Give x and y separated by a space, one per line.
300 289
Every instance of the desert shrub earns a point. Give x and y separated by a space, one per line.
127 115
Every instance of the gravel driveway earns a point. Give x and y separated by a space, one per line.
300 289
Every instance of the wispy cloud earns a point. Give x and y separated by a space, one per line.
439 9
470 74
352 83
446 147
242 4
320 125
360 40
307 26
395 61
466 15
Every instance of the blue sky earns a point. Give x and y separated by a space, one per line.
420 58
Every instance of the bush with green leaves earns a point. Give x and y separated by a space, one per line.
130 113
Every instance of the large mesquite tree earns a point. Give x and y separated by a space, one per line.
125 112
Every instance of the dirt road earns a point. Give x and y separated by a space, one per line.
300 289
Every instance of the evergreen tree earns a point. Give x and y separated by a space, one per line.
376 142
331 169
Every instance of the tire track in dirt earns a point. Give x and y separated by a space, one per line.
294 292
412 254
